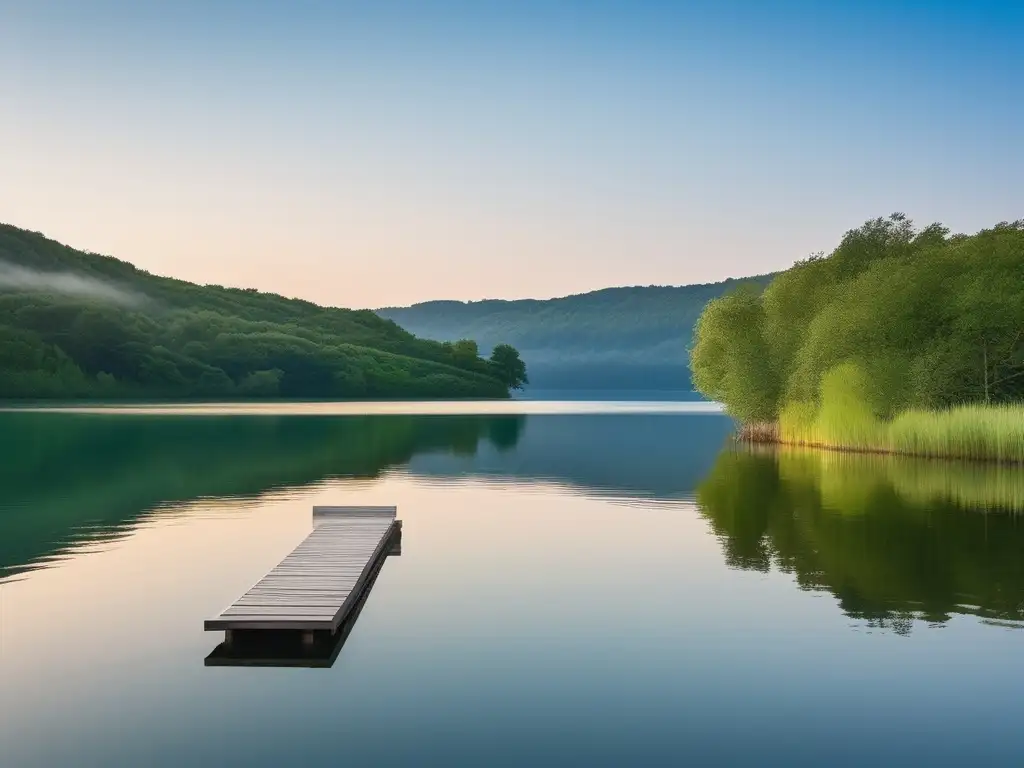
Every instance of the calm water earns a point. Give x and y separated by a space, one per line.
578 585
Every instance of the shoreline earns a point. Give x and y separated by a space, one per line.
509 407
767 433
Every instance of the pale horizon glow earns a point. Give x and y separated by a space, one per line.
372 155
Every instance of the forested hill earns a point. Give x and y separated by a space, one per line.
76 324
609 339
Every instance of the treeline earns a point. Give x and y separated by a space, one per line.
908 318
75 324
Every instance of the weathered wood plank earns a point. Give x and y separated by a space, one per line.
315 585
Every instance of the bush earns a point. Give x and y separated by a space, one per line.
931 321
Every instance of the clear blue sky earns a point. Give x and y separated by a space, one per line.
374 153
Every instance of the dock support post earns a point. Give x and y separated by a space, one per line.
229 637
307 638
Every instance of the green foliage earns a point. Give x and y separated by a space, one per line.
967 431
508 367
130 334
731 358
844 418
261 383
465 349
844 414
797 422
928 320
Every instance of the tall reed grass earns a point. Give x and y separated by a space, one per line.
844 420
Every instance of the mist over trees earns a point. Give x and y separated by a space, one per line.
929 320
62 336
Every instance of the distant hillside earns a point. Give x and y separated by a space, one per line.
76 324
617 338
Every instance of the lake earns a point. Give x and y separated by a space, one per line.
579 584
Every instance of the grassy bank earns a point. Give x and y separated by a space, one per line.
843 419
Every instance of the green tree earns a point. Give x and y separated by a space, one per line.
731 359
465 350
508 366
931 320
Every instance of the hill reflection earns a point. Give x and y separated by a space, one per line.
75 480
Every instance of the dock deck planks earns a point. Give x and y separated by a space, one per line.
316 586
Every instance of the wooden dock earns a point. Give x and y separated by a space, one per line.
316 587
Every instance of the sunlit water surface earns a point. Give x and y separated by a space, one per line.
579 584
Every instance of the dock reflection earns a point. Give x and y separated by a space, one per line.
286 648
